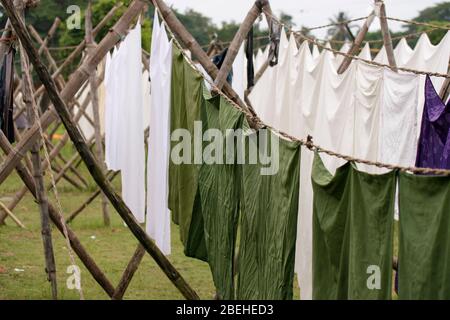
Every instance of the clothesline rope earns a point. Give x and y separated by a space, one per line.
419 72
336 24
406 36
418 23
308 142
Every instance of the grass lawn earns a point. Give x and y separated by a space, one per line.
22 273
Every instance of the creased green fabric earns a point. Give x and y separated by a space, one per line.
184 201
268 229
424 229
352 233
219 185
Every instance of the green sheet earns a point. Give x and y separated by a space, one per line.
184 201
268 229
219 186
352 233
424 229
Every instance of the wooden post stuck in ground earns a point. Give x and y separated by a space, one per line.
96 108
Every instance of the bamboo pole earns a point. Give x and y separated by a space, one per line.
78 248
357 44
387 40
238 39
50 34
4 45
129 272
96 109
13 217
445 90
73 85
94 168
41 195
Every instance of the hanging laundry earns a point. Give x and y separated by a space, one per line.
260 59
184 200
239 75
158 214
327 114
146 91
424 244
398 118
101 72
353 233
6 95
124 131
219 187
434 143
218 60
269 207
86 121
132 152
113 124
249 56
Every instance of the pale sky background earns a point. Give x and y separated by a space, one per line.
308 13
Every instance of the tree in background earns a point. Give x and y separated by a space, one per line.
339 32
202 27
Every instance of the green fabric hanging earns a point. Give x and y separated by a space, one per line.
424 229
219 185
353 216
268 229
184 201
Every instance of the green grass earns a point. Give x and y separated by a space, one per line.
111 248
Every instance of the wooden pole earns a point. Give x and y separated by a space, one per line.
357 44
96 108
445 90
387 40
13 217
75 135
4 45
41 195
50 34
129 273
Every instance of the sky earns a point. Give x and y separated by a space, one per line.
306 13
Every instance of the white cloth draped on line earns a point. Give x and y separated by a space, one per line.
158 213
124 129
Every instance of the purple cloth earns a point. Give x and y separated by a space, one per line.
434 143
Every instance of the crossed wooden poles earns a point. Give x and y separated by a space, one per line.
62 95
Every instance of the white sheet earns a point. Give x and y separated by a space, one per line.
124 127
158 213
